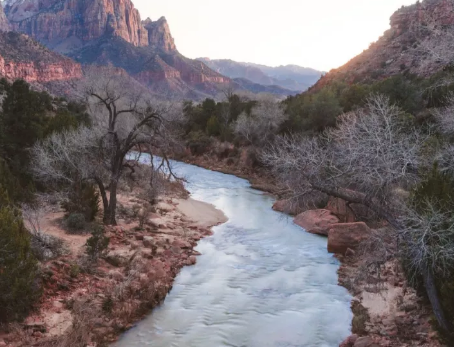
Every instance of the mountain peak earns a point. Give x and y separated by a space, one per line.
67 24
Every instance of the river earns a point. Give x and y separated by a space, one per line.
261 281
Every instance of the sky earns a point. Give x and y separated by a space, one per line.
322 34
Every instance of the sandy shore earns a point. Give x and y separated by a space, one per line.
95 305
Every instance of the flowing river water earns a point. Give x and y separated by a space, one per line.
261 280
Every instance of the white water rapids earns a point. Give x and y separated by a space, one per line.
261 280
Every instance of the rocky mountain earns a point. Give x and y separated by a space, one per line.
420 41
290 77
4 24
246 84
111 32
24 58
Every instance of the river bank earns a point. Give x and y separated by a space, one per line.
387 312
92 305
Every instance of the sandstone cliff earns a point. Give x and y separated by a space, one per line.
111 32
414 44
4 24
69 24
23 58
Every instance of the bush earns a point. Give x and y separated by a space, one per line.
18 266
76 222
97 244
46 247
83 199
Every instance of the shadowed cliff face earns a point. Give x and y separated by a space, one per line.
4 25
417 34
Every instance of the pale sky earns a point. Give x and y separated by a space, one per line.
321 34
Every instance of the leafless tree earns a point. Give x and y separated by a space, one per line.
367 159
123 120
263 122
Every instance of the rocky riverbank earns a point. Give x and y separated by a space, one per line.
387 311
91 305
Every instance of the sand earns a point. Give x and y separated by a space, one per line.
203 214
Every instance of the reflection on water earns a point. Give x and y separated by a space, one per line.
261 281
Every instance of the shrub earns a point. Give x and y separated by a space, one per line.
360 318
74 270
18 266
46 247
76 222
83 199
97 244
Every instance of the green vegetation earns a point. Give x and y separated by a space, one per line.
83 199
26 116
19 287
97 244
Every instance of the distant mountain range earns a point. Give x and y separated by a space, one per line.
290 77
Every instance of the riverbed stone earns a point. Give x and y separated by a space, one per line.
316 221
345 236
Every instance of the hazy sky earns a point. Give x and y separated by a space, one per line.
322 34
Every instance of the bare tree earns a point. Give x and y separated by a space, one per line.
263 122
123 120
368 158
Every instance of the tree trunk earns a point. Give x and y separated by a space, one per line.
110 217
432 294
105 201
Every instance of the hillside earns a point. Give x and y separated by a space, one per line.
419 41
24 58
292 77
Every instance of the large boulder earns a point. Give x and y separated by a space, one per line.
341 210
287 207
316 221
342 237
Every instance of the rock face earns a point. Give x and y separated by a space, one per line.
340 209
400 49
159 35
4 24
111 32
316 221
342 237
23 58
54 21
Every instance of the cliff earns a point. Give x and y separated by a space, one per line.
111 33
23 58
69 24
419 41
4 24
164 73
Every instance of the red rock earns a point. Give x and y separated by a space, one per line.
191 260
46 66
286 206
341 210
349 341
341 237
316 221
363 342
